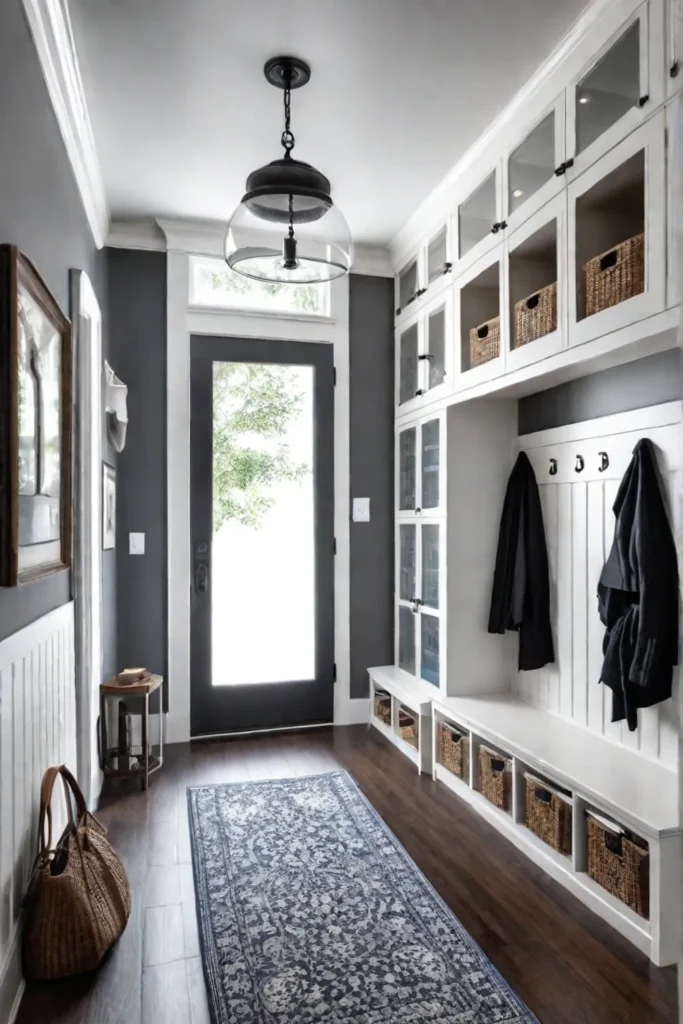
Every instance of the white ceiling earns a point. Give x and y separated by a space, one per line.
181 111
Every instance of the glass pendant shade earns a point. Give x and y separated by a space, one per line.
287 228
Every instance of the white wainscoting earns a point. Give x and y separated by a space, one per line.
579 526
37 729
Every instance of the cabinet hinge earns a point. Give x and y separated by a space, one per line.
334 672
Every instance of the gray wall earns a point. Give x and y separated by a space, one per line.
647 381
41 213
137 304
372 475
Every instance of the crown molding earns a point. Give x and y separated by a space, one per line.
205 238
53 39
532 99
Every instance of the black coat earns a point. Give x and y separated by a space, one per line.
521 591
638 593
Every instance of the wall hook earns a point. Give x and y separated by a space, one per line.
604 462
578 468
553 467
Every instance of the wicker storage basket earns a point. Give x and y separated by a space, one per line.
382 706
620 863
485 342
495 778
615 275
407 726
453 750
549 814
536 315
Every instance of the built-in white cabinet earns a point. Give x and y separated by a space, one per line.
420 469
480 317
617 236
408 283
426 271
618 89
534 170
424 354
420 602
479 219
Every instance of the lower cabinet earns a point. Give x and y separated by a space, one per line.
420 605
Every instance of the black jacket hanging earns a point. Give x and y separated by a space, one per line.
638 593
521 591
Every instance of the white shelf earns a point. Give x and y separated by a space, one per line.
411 691
638 792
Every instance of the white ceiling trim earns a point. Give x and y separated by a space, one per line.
53 39
539 86
205 238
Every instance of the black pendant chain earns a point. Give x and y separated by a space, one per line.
288 135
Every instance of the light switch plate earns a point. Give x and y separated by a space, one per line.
361 510
137 543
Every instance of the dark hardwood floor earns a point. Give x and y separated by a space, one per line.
567 965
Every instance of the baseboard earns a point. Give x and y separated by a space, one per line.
12 980
353 712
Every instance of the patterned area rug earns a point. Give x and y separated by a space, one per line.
310 911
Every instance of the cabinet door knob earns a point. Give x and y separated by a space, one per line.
674 69
427 355
496 228
562 169
417 511
420 391
398 311
643 100
447 267
420 291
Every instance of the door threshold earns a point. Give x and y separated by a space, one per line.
259 732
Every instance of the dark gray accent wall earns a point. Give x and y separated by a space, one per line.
647 381
137 304
371 370
41 212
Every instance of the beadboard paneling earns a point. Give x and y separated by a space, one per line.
37 729
579 526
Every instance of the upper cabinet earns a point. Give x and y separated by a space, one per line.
617 91
534 169
420 468
424 357
479 220
408 284
674 40
426 272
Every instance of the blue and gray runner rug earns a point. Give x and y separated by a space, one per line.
310 911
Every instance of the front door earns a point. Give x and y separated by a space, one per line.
262 510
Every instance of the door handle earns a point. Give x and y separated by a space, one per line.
201 578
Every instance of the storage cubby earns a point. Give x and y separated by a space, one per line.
607 215
407 724
480 319
477 215
495 776
533 284
453 749
618 860
546 811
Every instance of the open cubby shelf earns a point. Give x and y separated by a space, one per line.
532 268
479 305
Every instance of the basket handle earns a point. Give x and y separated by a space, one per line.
613 844
532 301
46 788
543 794
482 331
497 764
608 260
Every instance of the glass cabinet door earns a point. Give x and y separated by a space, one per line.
477 215
406 639
407 563
429 649
437 256
430 468
435 356
430 565
610 89
407 285
407 470
532 164
408 365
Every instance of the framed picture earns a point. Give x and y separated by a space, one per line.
108 507
36 425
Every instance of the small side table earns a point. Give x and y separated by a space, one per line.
123 761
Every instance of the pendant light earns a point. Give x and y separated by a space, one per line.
287 228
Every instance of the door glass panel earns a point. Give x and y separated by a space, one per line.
429 669
408 365
407 284
430 464
532 163
406 470
263 546
436 256
477 215
407 562
436 342
609 89
430 565
406 640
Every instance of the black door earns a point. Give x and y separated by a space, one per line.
262 510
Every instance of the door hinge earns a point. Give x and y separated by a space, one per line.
334 672
334 376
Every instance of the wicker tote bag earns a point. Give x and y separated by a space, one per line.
78 901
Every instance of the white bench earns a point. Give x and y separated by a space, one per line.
638 794
416 696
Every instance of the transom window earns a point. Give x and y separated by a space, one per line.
212 284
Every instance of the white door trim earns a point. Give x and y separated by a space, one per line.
87 338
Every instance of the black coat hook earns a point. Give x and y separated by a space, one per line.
553 467
578 468
604 462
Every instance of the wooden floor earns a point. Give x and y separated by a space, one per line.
567 965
